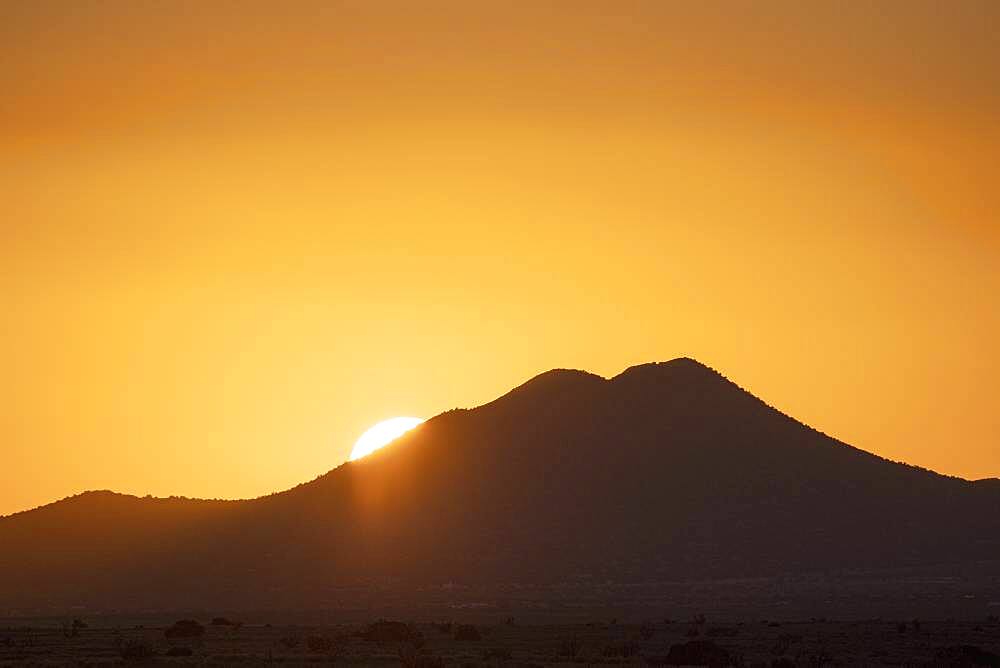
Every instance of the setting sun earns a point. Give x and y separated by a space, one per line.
382 434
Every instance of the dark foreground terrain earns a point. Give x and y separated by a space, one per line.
503 642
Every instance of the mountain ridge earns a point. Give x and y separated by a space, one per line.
665 471
548 378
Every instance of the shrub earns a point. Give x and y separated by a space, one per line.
967 655
185 628
697 653
570 648
386 631
443 627
784 642
320 644
466 632
180 651
135 650
625 650
647 631
222 621
410 657
499 653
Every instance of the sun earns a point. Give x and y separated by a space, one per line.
381 434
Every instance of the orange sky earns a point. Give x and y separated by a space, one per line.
233 237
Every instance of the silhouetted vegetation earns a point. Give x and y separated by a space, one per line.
185 628
411 657
321 644
968 655
497 654
569 648
869 642
697 653
467 632
135 650
625 650
388 631
784 642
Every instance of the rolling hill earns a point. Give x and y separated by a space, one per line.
665 472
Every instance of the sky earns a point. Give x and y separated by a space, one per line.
234 235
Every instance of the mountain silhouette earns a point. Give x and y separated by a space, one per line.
665 472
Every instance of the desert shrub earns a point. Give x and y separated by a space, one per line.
135 650
443 627
625 650
782 662
79 624
784 642
410 657
180 651
185 628
386 631
647 631
498 653
721 632
697 653
569 648
509 621
967 655
321 644
901 627
290 642
467 632
222 621
916 625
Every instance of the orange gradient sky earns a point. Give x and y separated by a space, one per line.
234 235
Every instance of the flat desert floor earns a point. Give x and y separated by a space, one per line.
504 642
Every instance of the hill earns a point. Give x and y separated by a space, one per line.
665 472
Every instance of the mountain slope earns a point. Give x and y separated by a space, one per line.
667 471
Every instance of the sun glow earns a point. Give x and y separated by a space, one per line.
382 434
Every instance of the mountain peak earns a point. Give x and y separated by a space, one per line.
686 366
557 380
